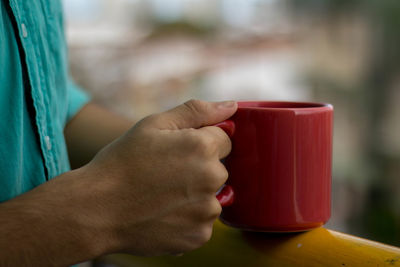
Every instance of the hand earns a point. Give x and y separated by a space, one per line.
154 187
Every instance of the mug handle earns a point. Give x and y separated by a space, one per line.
225 194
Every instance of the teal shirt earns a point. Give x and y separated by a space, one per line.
37 98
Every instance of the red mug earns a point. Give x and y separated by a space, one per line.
279 167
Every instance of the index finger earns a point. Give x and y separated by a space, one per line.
222 142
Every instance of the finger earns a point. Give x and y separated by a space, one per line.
221 140
217 176
195 114
223 176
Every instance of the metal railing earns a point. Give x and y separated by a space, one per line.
318 247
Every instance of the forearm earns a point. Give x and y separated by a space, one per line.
49 227
90 130
59 223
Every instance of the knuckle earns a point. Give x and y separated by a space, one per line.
228 142
222 173
194 105
191 135
203 140
215 209
205 234
214 176
209 175
200 143
211 209
197 239
206 145
208 210
149 120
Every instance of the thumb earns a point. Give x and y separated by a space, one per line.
195 114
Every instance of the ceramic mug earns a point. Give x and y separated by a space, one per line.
279 167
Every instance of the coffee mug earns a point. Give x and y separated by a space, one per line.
279 167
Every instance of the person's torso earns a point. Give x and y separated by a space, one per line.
33 95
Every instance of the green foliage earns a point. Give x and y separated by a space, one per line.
325 6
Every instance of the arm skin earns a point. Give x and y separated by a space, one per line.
90 130
109 204
86 134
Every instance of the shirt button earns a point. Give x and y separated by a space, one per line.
47 141
24 30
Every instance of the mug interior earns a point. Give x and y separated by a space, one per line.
280 105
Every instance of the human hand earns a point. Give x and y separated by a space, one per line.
154 188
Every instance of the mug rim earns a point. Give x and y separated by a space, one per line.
283 105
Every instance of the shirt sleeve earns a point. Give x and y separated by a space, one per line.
77 98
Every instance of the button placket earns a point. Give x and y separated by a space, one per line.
48 142
24 30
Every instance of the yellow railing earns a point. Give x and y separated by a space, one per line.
319 247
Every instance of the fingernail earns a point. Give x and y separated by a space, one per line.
227 104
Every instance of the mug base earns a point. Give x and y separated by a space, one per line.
275 229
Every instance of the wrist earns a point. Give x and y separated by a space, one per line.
91 211
87 213
50 225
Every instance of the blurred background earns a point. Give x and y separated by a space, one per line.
138 57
